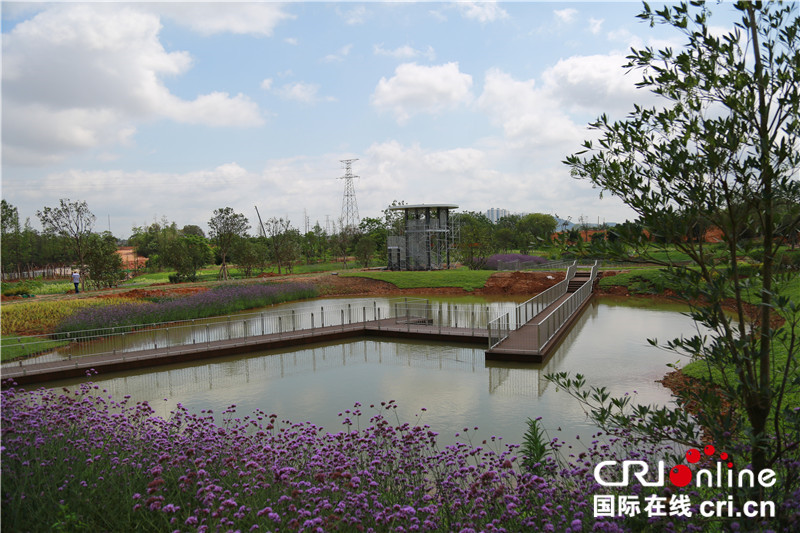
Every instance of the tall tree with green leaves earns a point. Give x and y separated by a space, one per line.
103 263
722 151
226 228
476 243
11 235
73 221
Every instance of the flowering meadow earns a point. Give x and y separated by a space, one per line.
32 317
519 260
222 300
82 460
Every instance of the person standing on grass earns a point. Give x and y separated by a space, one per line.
76 279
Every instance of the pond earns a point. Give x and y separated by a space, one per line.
455 385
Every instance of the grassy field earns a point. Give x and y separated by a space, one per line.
468 280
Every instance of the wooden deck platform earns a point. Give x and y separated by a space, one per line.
520 345
116 362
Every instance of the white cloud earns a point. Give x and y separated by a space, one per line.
595 25
340 54
595 83
405 52
355 16
213 109
80 76
266 84
419 89
566 15
301 92
207 18
482 11
527 114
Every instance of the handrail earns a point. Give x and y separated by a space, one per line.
532 307
407 312
552 323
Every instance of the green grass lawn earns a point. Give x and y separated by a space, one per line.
468 280
16 347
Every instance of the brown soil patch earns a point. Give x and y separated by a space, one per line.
155 293
510 283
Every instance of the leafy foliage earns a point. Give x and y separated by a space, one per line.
722 152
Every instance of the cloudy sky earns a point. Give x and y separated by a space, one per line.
152 110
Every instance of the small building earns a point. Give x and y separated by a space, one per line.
423 239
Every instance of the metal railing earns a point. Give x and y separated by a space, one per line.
517 265
501 327
527 310
549 326
408 314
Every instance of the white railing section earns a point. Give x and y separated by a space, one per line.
407 314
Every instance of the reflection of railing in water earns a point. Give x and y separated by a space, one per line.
406 311
515 381
260 367
528 380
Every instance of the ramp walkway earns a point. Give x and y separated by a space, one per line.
538 325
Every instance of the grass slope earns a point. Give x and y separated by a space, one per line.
468 280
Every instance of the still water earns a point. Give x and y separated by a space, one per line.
454 383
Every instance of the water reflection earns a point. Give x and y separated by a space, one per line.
454 382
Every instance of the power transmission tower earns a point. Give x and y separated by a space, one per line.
350 217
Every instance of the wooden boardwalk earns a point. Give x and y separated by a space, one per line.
523 344
115 362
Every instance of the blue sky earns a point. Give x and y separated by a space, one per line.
153 110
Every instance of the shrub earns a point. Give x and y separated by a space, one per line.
22 288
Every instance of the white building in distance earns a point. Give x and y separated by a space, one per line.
494 214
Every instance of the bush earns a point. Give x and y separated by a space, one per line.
180 278
23 288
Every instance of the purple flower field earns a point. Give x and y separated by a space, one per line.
494 261
221 300
81 460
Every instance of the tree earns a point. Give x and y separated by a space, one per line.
476 244
186 254
152 241
71 220
227 228
11 236
341 240
251 254
103 263
375 228
284 241
535 227
722 151
192 229
365 247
